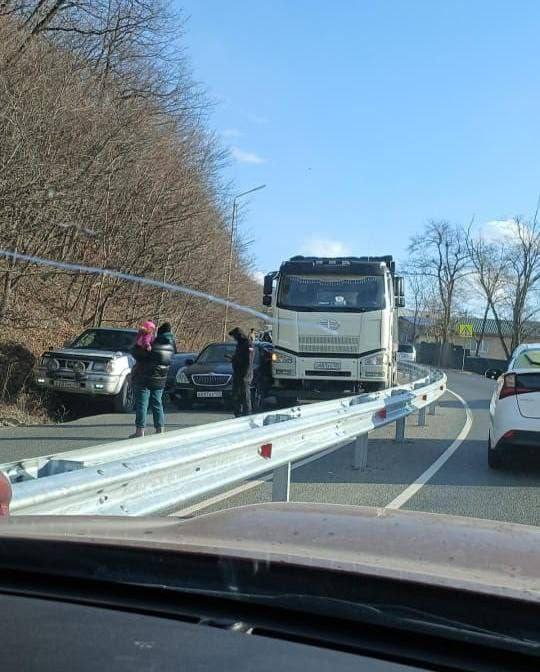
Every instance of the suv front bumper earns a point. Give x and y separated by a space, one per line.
86 384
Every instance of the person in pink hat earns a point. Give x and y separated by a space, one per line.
145 337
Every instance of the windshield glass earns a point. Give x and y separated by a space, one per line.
330 294
105 339
217 354
346 183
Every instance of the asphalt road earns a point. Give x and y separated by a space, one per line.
463 485
18 443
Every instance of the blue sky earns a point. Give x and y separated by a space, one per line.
365 118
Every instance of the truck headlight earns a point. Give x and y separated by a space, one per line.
181 377
375 360
282 358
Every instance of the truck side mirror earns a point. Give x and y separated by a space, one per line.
399 292
268 283
267 300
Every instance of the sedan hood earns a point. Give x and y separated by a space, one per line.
446 551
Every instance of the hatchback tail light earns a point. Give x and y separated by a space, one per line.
509 386
516 384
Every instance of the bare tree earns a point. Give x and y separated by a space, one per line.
508 271
440 253
106 159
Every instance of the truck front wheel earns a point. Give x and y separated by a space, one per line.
124 401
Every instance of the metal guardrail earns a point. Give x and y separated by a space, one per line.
165 472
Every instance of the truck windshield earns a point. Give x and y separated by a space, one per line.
331 293
105 339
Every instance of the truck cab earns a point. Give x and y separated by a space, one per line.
334 325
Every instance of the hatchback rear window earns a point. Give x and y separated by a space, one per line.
528 381
528 359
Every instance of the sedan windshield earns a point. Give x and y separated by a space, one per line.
332 294
217 354
105 339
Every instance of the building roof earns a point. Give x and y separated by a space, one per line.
532 330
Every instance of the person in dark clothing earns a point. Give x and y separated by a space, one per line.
242 365
149 378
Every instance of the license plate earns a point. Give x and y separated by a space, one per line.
66 384
327 366
209 395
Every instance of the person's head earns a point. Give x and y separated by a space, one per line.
165 328
237 334
148 327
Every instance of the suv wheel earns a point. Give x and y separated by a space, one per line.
124 401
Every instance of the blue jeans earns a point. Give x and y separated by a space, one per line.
145 397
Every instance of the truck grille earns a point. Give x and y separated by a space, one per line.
331 344
211 379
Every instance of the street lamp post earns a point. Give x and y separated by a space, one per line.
231 249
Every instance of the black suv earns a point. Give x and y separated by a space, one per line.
209 378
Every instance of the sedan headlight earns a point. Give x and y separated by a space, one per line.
282 358
375 360
181 377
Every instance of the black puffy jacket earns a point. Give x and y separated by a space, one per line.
242 360
151 368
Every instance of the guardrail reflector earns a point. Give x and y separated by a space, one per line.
381 414
266 451
424 397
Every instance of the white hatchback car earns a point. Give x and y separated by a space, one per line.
514 412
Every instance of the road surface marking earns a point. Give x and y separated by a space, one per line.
414 487
251 484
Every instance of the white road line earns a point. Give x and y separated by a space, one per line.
413 488
251 484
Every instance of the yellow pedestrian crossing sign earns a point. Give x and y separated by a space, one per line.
465 330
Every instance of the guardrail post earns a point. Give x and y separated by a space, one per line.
360 452
422 417
400 430
281 483
432 407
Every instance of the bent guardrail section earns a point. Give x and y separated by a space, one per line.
165 472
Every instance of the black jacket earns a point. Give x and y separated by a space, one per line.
242 360
151 368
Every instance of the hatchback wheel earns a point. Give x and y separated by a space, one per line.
494 457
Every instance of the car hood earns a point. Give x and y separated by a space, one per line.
81 352
467 553
225 368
